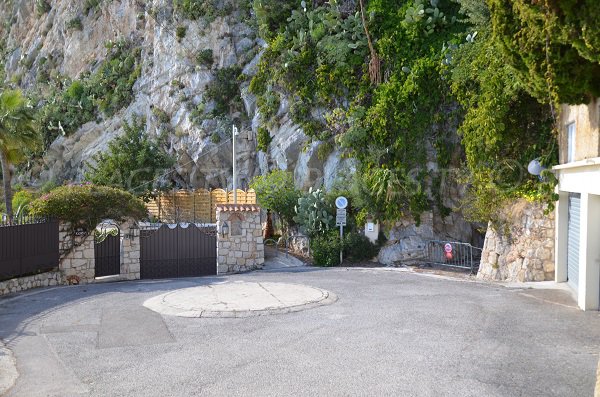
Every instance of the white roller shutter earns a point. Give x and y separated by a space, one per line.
573 240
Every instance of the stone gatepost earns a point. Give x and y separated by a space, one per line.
240 245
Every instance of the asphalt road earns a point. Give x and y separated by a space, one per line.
389 333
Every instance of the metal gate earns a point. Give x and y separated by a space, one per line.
573 240
453 254
178 251
107 256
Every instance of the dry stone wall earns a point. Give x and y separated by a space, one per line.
242 247
521 250
24 283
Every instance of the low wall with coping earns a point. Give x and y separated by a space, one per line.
24 283
242 247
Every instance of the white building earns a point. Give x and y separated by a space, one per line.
578 210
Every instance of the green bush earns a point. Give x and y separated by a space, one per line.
358 247
325 249
21 201
74 24
215 137
133 161
91 5
276 192
180 33
225 91
205 58
42 6
263 139
86 205
162 116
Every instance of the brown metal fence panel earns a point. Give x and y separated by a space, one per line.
28 249
178 252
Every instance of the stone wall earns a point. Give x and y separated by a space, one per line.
24 283
77 264
242 247
523 248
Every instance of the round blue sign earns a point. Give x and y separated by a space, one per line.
341 202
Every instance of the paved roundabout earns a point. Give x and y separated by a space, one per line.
239 299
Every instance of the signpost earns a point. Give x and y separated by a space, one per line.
340 220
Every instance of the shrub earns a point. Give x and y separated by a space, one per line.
162 116
325 249
21 201
132 162
215 137
276 192
42 6
324 150
180 33
359 247
205 57
263 139
90 5
225 91
74 24
86 205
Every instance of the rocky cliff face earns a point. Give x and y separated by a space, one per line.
73 33
171 80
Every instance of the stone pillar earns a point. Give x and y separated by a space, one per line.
130 252
242 247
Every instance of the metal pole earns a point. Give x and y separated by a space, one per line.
341 244
234 167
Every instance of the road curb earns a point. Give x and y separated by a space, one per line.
8 369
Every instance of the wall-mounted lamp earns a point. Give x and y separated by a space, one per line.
224 229
134 231
536 168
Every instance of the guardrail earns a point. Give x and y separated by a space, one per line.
453 254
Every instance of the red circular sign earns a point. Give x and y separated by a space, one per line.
448 247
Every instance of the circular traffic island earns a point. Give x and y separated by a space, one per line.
239 299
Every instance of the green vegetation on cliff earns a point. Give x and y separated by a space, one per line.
394 93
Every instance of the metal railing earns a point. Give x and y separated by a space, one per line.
452 254
21 220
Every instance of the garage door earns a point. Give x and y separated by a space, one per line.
573 240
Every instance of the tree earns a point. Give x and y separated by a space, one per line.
133 161
17 135
276 192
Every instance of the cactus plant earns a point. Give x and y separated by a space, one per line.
313 213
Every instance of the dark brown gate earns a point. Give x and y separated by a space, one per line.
178 252
107 256
28 248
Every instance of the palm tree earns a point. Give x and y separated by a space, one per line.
17 135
